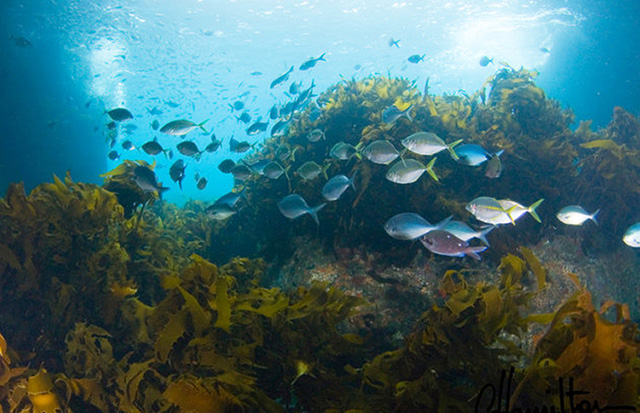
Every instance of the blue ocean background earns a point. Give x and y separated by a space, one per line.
66 62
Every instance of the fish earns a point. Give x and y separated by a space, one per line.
496 212
188 148
111 125
474 155
494 166
152 147
428 143
465 232
294 88
239 146
181 127
315 113
258 166
391 113
408 226
120 114
484 61
245 117
214 145
444 243
304 95
237 105
231 198
315 135
176 172
515 210
128 145
545 50
407 171
395 43
219 212
281 79
280 128
631 236
335 187
155 124
202 183
146 179
257 127
416 58
256 73
310 170
311 62
293 206
226 166
113 155
273 112
155 111
575 215
241 172
381 152
284 152
343 151
273 170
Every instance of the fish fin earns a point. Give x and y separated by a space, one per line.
293 154
358 155
402 153
286 172
324 170
201 125
498 154
444 222
532 209
314 212
593 216
407 113
508 212
322 57
473 252
430 170
353 176
453 153
482 234
359 146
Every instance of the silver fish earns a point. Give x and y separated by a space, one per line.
273 170
391 113
315 135
465 232
428 143
181 127
230 199
575 215
408 226
220 212
381 152
494 167
631 236
443 243
310 170
335 187
407 171
343 151
293 206
282 78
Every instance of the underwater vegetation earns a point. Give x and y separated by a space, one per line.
114 301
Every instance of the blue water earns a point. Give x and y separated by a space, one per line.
66 62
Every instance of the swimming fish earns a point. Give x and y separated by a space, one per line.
496 212
494 166
113 155
408 226
416 58
381 152
257 127
281 79
428 143
189 148
273 112
465 232
220 212
407 171
391 113
128 145
239 146
153 147
484 60
280 128
310 170
343 151
284 152
335 187
241 172
244 117
226 166
237 105
315 135
214 145
155 124
120 114
312 62
575 215
515 210
146 179
176 172
474 155
273 170
292 206
631 236
181 127
202 183
294 88
444 243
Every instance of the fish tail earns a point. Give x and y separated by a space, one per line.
324 170
453 153
407 113
473 252
430 170
482 235
593 216
201 125
532 209
498 154
286 172
322 57
443 222
314 212
351 180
